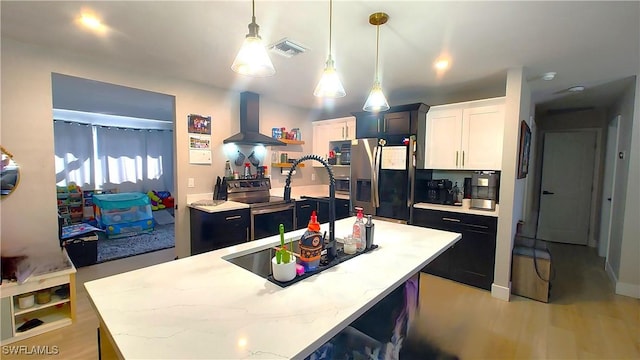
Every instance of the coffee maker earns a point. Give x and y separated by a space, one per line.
439 192
484 190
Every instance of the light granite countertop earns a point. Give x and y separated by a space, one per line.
206 307
196 201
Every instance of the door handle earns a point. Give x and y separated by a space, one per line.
545 192
456 159
236 217
608 199
342 133
462 158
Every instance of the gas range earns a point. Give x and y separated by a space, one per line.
254 192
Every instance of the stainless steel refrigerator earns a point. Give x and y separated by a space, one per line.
383 174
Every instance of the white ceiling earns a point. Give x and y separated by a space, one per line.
595 44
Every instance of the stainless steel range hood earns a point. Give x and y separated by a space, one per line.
249 123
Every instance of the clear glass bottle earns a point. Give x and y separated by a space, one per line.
358 233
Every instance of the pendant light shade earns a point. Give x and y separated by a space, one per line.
376 100
330 85
252 59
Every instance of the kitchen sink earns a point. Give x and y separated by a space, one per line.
259 262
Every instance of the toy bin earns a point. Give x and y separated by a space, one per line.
124 214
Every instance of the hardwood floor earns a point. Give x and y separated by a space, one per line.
584 318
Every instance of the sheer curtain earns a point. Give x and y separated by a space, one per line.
74 154
114 158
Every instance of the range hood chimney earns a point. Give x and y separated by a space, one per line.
249 123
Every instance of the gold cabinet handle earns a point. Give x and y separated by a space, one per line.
462 158
456 159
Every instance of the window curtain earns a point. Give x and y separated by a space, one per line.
73 154
114 158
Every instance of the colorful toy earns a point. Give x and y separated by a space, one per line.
156 201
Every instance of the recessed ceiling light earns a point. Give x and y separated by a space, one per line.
549 75
576 88
92 22
442 64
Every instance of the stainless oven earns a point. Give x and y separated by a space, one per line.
267 212
266 218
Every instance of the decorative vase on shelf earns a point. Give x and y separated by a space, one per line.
284 272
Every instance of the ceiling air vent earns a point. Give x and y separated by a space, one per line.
287 48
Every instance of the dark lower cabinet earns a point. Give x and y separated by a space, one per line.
212 231
472 259
342 209
305 206
303 212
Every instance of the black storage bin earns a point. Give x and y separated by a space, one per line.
83 250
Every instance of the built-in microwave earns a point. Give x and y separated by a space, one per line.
342 185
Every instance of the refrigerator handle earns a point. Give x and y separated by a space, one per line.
411 167
375 199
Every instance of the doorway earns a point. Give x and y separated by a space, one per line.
608 187
114 139
566 186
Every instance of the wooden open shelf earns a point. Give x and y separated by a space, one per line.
292 142
285 165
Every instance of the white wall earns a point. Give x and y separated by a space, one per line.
512 190
624 245
28 217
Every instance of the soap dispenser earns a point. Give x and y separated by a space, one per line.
368 230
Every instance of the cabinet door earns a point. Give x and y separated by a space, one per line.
211 231
342 209
443 138
473 259
321 139
482 134
350 127
323 212
303 212
367 125
398 123
440 266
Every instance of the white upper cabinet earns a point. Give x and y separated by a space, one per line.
465 136
325 131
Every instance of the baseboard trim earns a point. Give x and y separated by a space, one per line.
627 289
610 272
501 292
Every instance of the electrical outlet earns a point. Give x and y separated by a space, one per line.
191 183
313 177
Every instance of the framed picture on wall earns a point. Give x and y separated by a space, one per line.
523 152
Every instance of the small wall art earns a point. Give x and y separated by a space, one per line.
523 152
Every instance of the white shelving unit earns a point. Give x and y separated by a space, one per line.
56 313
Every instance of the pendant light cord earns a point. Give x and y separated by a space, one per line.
377 48
330 24
253 11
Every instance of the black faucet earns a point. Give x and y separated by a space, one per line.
331 246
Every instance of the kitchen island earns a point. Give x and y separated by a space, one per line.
204 307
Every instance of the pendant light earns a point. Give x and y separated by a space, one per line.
330 85
376 100
252 59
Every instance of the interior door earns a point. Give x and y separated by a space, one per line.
567 177
607 187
